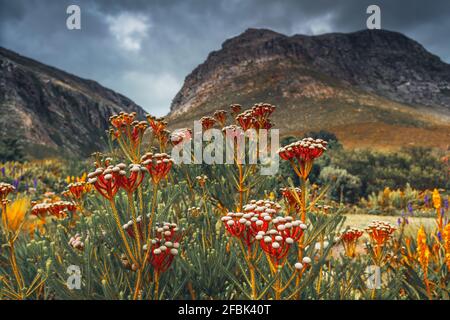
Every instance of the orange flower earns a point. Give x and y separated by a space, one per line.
16 212
77 190
436 199
350 239
207 122
220 116
236 108
446 238
157 124
423 252
380 232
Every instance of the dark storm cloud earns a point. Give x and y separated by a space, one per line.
144 49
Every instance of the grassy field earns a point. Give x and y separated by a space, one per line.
362 220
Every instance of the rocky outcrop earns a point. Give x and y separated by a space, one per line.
376 61
368 79
52 111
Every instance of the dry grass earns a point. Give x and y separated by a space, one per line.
362 220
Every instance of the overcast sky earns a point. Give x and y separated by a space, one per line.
144 48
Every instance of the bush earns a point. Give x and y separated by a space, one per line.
343 185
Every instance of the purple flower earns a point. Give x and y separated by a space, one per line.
446 204
442 212
399 221
15 183
3 170
410 208
439 236
426 199
35 183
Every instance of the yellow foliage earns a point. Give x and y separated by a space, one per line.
436 199
16 212
423 251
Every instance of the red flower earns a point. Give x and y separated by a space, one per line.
128 227
220 116
164 246
207 122
351 235
289 196
255 218
273 243
77 190
5 189
236 108
158 165
380 232
134 180
121 120
291 230
181 135
57 209
304 152
246 120
107 180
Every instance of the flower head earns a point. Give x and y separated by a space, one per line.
255 218
77 190
164 246
181 136
76 242
436 199
349 239
158 165
236 109
107 178
157 124
423 252
5 190
16 212
220 116
304 152
380 232
207 122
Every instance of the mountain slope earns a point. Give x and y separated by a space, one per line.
52 111
364 86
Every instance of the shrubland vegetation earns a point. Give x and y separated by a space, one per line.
140 227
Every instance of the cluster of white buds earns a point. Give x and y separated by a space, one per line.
76 242
129 228
289 228
306 149
127 264
306 262
194 211
201 180
162 246
166 230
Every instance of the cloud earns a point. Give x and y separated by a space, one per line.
130 30
144 49
152 91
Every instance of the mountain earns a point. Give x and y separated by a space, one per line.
54 112
372 88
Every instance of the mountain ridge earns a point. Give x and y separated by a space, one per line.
330 80
54 110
